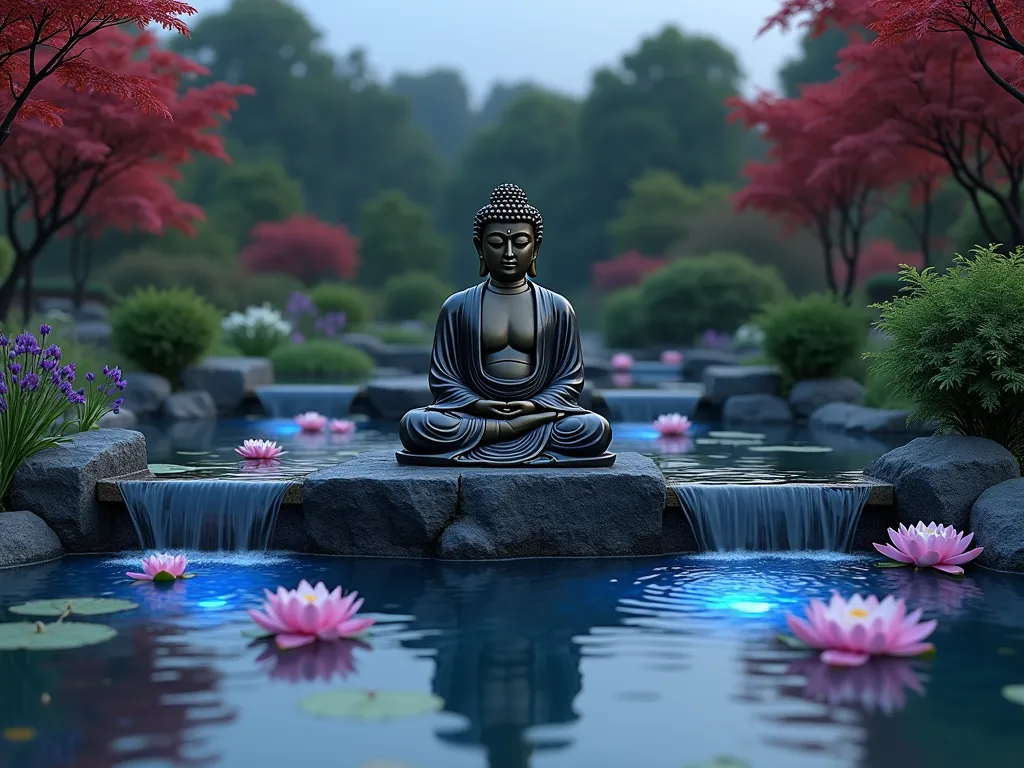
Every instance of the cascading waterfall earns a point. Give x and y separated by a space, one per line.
642 406
773 518
283 401
204 514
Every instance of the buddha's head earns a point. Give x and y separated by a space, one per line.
507 234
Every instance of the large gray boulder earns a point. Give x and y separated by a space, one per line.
863 420
939 478
123 419
724 381
390 399
371 505
997 519
229 380
566 512
808 396
190 406
696 361
756 409
145 393
25 539
59 484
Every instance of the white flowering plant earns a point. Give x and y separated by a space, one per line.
257 331
749 336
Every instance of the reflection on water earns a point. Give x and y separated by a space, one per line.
546 664
705 455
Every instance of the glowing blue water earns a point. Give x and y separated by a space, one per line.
284 401
659 663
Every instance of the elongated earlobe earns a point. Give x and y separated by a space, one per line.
532 269
483 268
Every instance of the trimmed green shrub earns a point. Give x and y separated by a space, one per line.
320 360
216 281
265 288
398 334
163 332
410 295
623 322
342 297
957 346
815 337
720 291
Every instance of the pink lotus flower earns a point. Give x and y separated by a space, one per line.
672 357
259 450
622 362
342 426
881 685
672 425
322 661
941 547
849 632
301 616
622 380
671 446
311 421
161 567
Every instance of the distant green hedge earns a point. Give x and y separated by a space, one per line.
63 288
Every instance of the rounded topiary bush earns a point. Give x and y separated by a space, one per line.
410 295
342 297
163 332
622 319
816 337
320 360
720 291
957 346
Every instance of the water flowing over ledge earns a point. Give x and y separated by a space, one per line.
283 401
773 518
204 514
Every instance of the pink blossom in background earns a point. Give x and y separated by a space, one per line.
672 357
622 380
161 567
342 426
621 361
298 617
672 425
259 450
669 446
849 632
311 421
940 547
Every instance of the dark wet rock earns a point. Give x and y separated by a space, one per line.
939 478
465 540
145 393
26 539
696 361
59 484
808 396
997 519
391 399
861 419
724 381
756 409
229 380
190 406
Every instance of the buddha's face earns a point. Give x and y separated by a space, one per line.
507 250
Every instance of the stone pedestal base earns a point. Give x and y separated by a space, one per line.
371 505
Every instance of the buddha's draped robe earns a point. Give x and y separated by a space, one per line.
458 379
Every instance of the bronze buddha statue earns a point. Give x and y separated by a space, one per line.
506 369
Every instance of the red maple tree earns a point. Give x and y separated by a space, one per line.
624 271
809 181
302 246
43 38
882 257
51 174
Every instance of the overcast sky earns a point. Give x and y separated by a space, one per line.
555 43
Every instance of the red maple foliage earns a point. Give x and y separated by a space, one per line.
302 246
624 270
40 38
808 181
51 175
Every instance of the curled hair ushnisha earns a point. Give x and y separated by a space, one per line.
509 203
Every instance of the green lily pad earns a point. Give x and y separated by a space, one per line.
193 453
163 576
791 448
792 642
722 761
59 636
890 564
708 441
80 606
1014 694
736 435
370 705
170 469
254 633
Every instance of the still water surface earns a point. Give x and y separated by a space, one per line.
652 663
708 454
